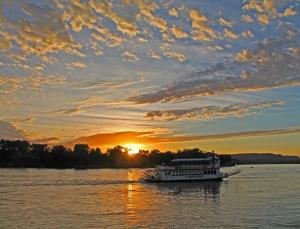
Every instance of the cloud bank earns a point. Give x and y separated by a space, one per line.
270 64
211 112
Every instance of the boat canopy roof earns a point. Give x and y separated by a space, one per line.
192 159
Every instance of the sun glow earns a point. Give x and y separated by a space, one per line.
133 148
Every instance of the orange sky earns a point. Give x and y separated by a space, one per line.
276 141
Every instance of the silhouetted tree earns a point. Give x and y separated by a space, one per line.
23 154
118 157
97 159
37 155
61 157
12 152
81 153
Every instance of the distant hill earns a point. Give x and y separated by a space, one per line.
265 158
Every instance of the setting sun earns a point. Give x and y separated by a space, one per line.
133 148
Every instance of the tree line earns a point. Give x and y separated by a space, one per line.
22 154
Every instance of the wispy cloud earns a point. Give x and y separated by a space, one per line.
130 56
76 64
48 140
211 112
270 64
171 54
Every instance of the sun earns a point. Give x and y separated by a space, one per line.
133 148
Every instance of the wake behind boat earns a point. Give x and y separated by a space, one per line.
188 169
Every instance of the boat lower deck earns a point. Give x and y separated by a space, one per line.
185 178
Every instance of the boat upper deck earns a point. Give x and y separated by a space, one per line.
191 163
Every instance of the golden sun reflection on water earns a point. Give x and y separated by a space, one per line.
139 199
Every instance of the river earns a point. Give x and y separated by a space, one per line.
261 196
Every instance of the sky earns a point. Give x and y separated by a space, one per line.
219 75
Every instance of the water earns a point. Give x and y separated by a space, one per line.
265 196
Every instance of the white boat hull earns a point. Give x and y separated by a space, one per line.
177 179
169 178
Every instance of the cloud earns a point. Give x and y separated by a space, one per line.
105 35
243 56
77 14
43 33
146 12
76 64
117 138
289 12
179 56
66 111
225 22
130 56
197 16
263 19
81 15
10 132
153 55
123 25
36 82
211 112
106 85
5 44
98 50
121 138
48 140
267 10
12 84
201 31
173 12
270 64
230 34
178 32
268 7
5 101
247 34
247 18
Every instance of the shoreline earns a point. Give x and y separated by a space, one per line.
101 168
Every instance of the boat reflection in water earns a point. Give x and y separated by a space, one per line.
207 188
